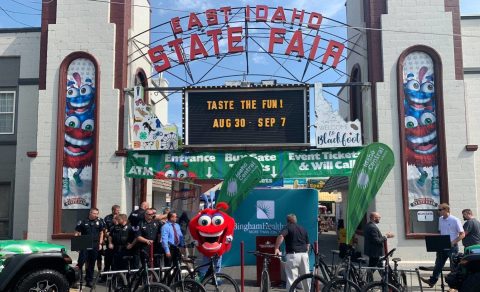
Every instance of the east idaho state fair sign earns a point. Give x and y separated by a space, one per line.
218 20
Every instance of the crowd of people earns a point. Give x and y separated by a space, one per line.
137 235
297 242
145 230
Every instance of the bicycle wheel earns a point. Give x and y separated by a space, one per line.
379 287
265 282
224 283
153 277
118 283
403 279
187 285
154 287
302 283
341 285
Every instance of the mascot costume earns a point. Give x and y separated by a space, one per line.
212 229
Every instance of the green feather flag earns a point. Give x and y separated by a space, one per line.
239 181
370 171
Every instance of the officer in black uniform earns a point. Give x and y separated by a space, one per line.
90 226
108 253
148 234
137 216
120 239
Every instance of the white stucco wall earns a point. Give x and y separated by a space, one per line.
358 56
471 63
433 28
80 26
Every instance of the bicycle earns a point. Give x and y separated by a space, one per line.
392 280
265 276
213 280
318 278
349 279
172 276
134 280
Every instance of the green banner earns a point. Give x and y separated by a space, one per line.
372 167
215 165
240 180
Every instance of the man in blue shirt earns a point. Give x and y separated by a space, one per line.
172 239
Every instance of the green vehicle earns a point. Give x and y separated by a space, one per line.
29 265
466 275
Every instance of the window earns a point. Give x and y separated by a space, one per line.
7 112
5 210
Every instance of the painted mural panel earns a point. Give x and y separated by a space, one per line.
422 148
79 143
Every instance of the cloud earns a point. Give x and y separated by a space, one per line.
259 58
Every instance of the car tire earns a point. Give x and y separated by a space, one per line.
43 280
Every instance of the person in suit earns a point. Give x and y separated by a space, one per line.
374 241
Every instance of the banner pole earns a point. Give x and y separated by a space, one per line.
242 266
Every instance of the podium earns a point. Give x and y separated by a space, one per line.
266 244
82 242
438 243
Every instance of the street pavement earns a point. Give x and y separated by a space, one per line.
327 242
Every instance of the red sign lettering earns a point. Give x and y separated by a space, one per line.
234 38
334 50
157 55
296 44
274 39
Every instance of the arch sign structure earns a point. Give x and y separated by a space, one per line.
216 23
219 120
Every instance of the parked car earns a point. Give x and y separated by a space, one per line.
29 265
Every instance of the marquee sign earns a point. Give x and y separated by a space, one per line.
199 35
255 115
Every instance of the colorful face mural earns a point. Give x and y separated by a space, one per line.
421 131
79 143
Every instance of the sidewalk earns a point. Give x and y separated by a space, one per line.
327 242
251 283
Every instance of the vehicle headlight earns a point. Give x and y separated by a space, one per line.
5 259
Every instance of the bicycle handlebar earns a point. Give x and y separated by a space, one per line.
268 255
389 254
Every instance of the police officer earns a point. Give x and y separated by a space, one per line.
148 234
90 226
119 241
137 216
108 253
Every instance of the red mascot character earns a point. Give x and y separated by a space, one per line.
213 230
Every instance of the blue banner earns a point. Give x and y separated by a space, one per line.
264 212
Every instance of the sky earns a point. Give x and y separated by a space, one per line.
26 13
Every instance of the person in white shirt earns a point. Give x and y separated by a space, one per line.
448 225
